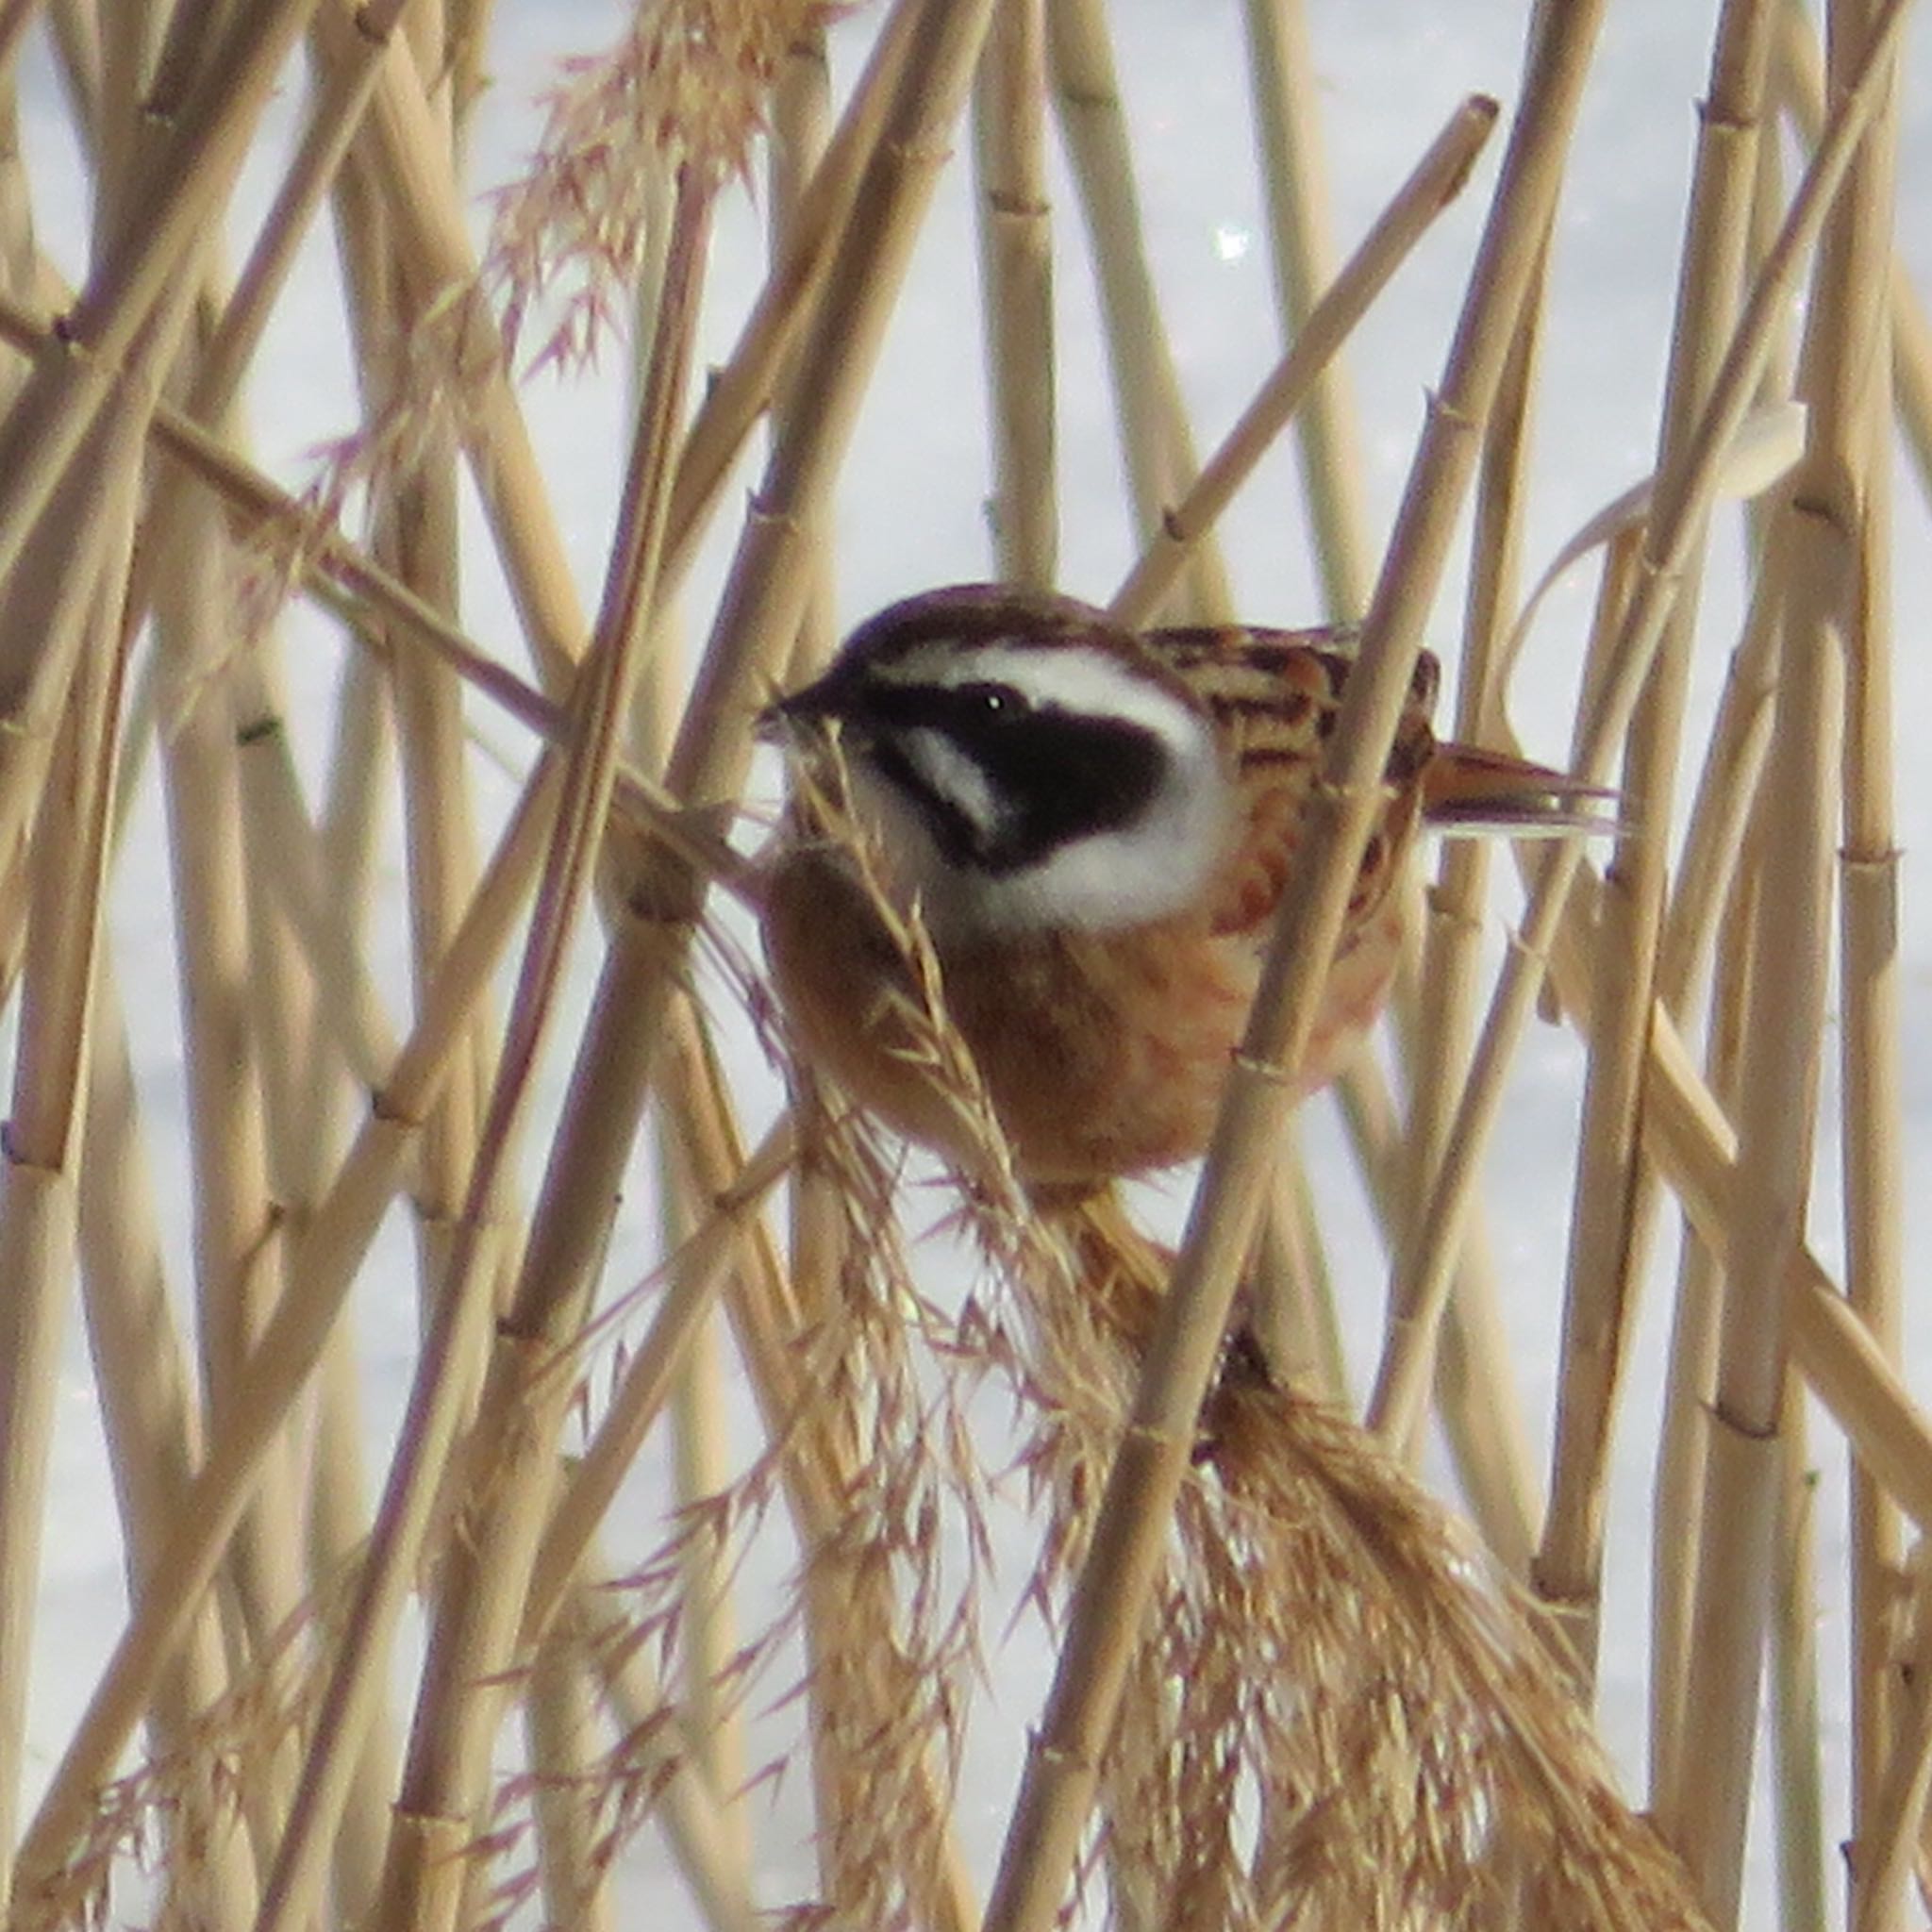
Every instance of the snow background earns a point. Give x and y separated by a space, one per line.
910 514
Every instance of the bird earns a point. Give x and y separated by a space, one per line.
1092 825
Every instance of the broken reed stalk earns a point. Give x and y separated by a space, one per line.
1116 1583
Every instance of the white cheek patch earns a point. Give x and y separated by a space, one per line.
1127 875
1148 869
957 778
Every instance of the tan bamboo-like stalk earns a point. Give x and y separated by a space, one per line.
755 623
1615 1199
369 598
1690 1138
1437 1025
1288 117
151 1424
160 229
1681 500
1722 805
746 384
484 1572
561 1720
819 1450
1821 553
1015 226
414 511
43 1143
1875 1169
1155 444
804 132
1801 84
431 236
1677 1508
1480 1407
417 528
697 1268
1798 1791
1870 1045
1131 1530
303 1091
1292 1308
708 1626
322 1267
237 1245
1894 1844
1435 180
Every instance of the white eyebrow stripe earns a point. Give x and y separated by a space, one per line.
1064 678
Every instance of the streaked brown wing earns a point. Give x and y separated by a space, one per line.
1277 694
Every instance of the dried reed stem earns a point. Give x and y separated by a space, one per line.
321 1272
1820 550
1797 1730
1679 503
1015 274
1615 1196
481 1587
1288 117
43 1141
743 387
1800 83
149 1421
1870 1045
1130 1531
1436 179
561 1722
1155 444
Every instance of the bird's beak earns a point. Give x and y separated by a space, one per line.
824 698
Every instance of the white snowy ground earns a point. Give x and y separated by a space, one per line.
910 515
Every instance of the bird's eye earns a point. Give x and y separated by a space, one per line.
992 700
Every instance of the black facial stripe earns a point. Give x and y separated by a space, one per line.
1057 775
960 838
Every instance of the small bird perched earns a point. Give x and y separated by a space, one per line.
1095 825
